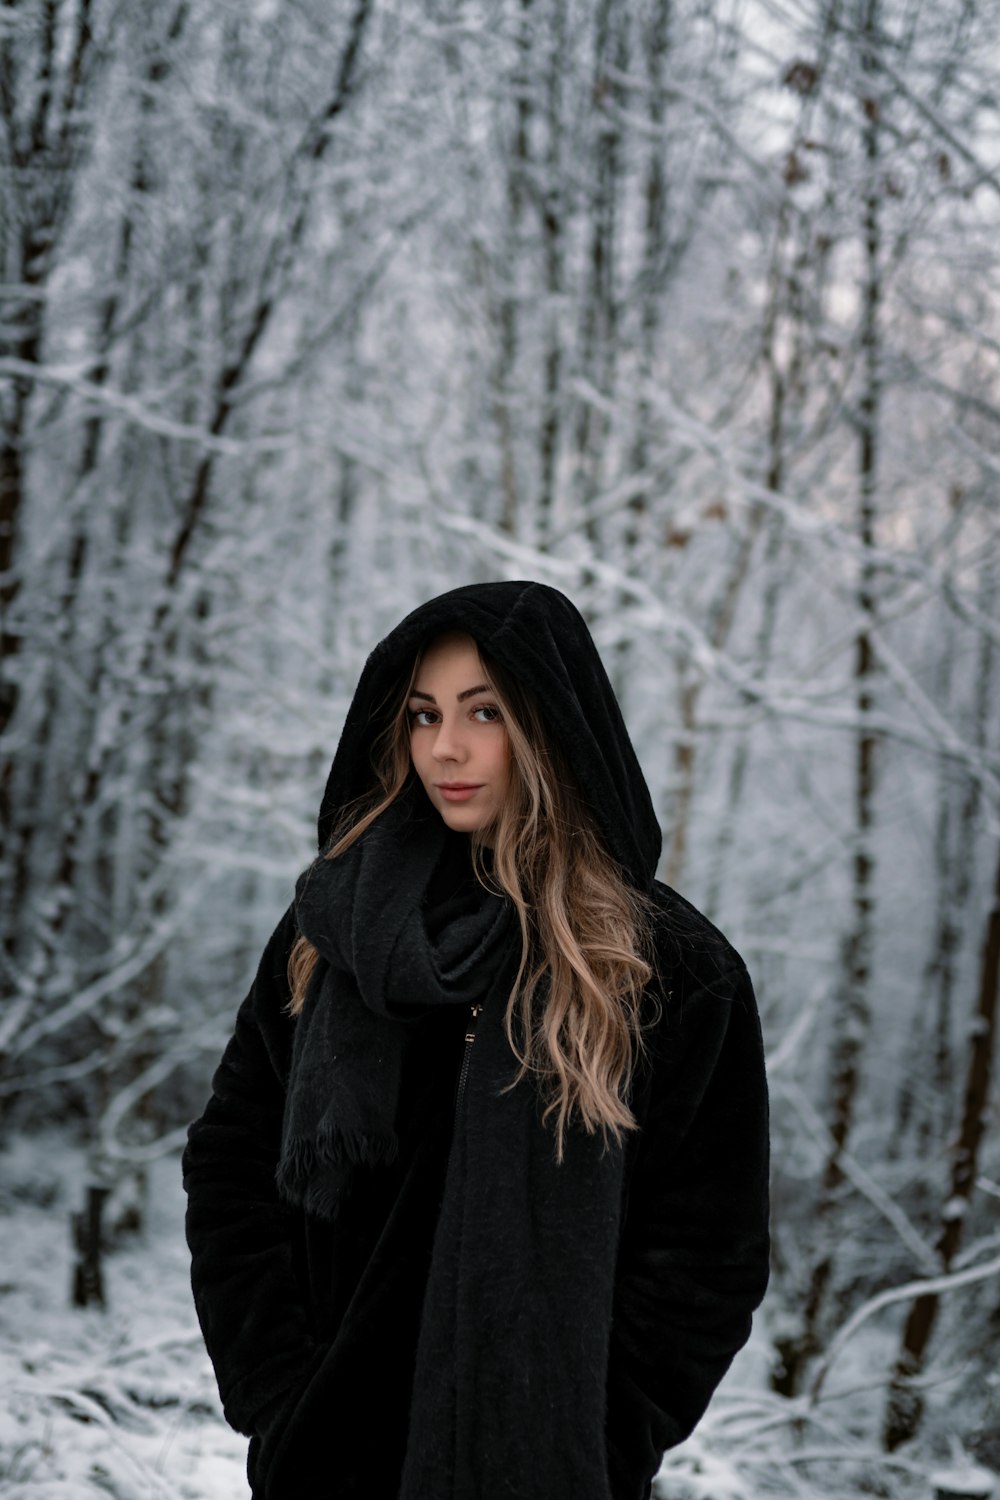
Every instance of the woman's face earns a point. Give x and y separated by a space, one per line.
458 743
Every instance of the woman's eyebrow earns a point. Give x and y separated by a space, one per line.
481 687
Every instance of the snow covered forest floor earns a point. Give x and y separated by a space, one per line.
123 1402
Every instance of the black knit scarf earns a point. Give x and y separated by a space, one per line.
401 924
512 1354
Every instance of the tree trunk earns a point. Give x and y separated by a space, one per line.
554 209
904 1407
518 168
852 1017
88 1238
599 323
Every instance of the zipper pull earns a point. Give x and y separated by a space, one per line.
470 1037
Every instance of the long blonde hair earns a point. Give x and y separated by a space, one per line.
586 932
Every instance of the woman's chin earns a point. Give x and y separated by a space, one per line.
462 820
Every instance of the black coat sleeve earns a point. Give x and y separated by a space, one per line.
248 1292
693 1260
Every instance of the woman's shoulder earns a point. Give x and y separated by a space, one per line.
690 951
702 1006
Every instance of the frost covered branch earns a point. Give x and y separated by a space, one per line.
932 1285
136 412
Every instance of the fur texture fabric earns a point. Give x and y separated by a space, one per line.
477 1322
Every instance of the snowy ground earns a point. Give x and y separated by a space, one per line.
123 1402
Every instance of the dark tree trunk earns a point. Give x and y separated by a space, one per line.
852 1018
88 1239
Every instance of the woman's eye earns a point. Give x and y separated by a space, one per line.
490 712
422 717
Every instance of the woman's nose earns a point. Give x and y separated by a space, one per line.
447 744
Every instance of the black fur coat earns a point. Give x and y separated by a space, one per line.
607 1300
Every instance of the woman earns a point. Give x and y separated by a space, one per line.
478 1207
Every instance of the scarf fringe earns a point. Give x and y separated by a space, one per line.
303 1158
323 1201
314 1179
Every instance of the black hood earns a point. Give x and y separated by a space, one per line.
539 636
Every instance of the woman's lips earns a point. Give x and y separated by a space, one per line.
458 791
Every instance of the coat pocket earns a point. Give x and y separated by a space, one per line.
282 1435
637 1433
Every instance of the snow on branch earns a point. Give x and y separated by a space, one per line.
776 697
136 412
983 173
932 1285
85 1000
799 521
852 1169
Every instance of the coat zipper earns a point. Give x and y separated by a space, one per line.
470 1037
